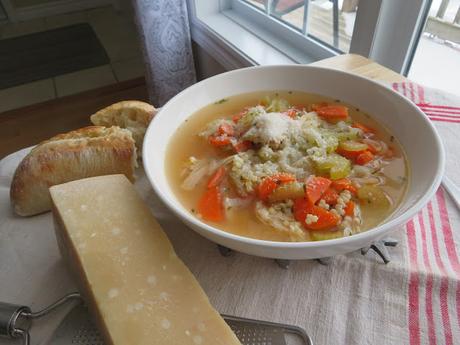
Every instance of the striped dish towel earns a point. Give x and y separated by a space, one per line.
433 236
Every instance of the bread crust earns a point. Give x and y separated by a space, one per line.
132 115
86 152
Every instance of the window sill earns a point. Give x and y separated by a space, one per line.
225 36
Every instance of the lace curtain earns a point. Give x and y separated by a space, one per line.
165 35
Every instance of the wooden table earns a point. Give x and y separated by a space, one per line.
27 126
360 65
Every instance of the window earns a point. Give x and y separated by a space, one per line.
440 41
248 32
329 22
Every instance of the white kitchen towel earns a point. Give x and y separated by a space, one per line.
415 299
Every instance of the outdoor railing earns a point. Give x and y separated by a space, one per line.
442 12
442 25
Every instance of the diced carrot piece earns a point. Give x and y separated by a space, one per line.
316 106
217 177
238 116
220 140
292 112
344 184
349 154
389 153
266 187
350 209
330 112
316 186
326 219
210 205
363 127
283 177
269 184
364 158
372 149
330 196
243 146
300 209
351 149
226 128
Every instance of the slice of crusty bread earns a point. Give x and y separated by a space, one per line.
86 152
135 116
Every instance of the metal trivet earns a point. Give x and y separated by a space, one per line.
78 329
378 247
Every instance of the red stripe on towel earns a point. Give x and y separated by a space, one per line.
411 89
441 119
440 112
438 106
421 94
447 231
450 245
429 284
444 282
414 308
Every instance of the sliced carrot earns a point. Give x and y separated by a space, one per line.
217 177
364 158
210 205
220 140
330 112
243 146
315 187
344 184
269 184
330 196
326 219
363 127
350 209
226 128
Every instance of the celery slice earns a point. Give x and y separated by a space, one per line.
333 165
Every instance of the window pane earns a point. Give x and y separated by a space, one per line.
258 3
330 21
290 12
436 61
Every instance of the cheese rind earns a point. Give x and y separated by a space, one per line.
137 287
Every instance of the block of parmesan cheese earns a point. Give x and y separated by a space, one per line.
137 288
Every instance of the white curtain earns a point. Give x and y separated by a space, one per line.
165 35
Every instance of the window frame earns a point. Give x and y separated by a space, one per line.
386 31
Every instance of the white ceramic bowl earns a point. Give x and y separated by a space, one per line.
405 121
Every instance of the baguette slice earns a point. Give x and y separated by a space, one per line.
135 116
86 152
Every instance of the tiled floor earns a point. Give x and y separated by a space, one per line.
117 33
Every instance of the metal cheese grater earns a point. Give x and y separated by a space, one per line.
78 329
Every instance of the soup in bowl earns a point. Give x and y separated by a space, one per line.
286 166
292 162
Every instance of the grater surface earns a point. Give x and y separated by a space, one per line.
78 329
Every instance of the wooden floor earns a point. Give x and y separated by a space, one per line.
28 126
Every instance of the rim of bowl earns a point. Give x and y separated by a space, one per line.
366 235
